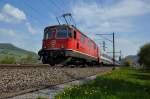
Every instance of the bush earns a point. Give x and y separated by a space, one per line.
8 60
144 55
27 59
128 62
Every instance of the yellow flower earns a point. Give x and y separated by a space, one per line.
85 92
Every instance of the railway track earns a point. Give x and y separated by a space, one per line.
23 65
49 92
20 79
41 66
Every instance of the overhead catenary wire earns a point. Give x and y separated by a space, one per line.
47 5
57 6
57 11
62 10
106 39
106 19
73 20
35 11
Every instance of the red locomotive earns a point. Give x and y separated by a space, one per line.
65 44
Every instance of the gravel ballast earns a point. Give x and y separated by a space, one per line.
16 80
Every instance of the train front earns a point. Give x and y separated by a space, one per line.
55 42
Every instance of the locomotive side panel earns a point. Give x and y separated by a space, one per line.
84 46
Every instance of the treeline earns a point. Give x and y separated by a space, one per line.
11 59
143 57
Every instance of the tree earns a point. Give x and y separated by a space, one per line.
27 59
128 62
144 55
8 60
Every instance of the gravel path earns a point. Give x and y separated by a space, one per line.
49 93
21 80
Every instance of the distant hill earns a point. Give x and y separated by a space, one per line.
20 55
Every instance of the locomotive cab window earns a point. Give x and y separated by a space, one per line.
61 33
94 46
47 35
70 33
82 39
90 44
75 34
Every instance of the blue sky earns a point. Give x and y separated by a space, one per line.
22 21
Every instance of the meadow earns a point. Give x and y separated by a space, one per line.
123 83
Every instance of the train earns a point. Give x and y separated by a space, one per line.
66 45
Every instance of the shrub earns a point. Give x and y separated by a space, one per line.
144 55
128 62
8 60
27 59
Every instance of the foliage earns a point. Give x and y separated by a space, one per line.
144 55
120 84
8 60
128 62
27 59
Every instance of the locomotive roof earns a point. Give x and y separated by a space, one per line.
73 27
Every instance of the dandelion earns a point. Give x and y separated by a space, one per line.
85 92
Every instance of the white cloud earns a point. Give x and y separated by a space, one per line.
15 12
113 18
128 45
11 14
8 32
109 18
30 28
127 8
5 18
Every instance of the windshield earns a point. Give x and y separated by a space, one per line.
61 32
47 35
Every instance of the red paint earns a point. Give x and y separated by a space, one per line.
72 43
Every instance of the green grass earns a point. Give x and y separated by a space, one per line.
123 83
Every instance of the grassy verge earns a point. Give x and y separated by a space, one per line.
123 83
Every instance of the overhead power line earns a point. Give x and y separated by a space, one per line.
62 2
28 6
57 6
35 10
48 6
113 43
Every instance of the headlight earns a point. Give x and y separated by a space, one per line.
62 46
